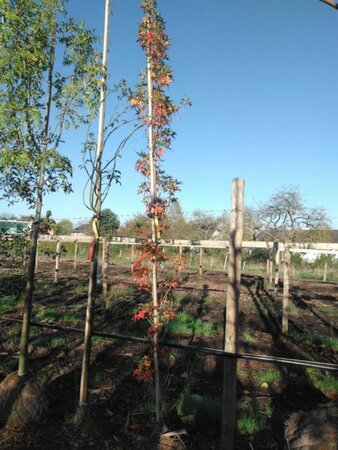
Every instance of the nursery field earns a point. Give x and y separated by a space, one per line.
122 408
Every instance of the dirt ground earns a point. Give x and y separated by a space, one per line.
121 408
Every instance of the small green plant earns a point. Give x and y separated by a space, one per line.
58 342
187 324
249 420
70 317
48 313
9 302
268 411
293 309
322 381
97 339
247 337
249 425
268 376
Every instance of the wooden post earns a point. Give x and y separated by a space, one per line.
105 266
191 254
75 253
120 254
180 253
267 266
211 262
277 264
201 261
132 258
325 272
225 262
232 313
57 260
286 283
271 271
244 264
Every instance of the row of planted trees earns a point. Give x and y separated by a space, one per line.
38 103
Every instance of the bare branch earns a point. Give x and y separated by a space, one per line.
330 3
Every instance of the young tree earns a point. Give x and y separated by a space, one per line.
154 109
101 174
48 76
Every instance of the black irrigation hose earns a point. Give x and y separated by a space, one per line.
190 348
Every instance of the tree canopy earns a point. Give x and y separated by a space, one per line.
48 74
109 223
285 215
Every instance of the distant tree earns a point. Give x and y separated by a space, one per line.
109 223
64 227
202 225
175 222
284 215
8 216
133 226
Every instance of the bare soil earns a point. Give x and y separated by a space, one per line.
121 408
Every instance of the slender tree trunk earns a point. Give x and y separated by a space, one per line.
28 301
82 412
37 255
88 333
155 239
105 266
232 315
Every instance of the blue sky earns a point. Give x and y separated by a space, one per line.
263 80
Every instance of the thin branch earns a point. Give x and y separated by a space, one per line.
330 3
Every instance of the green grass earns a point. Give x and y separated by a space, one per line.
8 303
249 425
312 339
293 309
249 419
187 324
58 342
70 317
247 337
268 376
48 313
120 293
324 382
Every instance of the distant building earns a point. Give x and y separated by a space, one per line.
81 230
14 227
